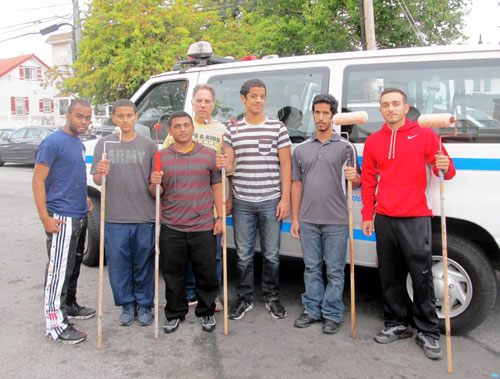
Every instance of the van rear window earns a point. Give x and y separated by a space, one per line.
469 89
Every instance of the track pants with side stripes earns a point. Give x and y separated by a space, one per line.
61 248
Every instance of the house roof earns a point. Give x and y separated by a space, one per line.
8 64
61 37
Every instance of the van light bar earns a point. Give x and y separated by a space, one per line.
200 50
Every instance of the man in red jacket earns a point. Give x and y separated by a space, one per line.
397 165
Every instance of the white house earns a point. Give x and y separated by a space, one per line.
23 101
62 59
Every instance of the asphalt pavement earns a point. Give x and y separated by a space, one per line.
257 346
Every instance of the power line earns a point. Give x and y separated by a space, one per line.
411 21
22 35
33 23
33 9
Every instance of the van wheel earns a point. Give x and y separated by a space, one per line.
91 254
471 281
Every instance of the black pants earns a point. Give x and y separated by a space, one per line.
177 250
404 246
80 249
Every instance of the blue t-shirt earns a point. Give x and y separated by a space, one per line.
66 183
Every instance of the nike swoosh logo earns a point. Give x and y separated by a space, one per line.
410 137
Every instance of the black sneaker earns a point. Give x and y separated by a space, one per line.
393 333
304 320
79 312
208 323
330 326
429 345
171 326
277 310
240 308
70 336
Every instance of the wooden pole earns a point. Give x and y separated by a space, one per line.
157 255
371 43
224 247
351 260
101 259
444 240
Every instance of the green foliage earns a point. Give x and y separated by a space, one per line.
291 27
126 41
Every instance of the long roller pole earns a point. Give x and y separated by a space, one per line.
101 259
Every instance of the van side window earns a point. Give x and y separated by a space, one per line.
289 97
158 104
470 90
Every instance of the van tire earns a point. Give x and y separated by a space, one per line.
91 254
473 272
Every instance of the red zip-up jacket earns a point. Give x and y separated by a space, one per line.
396 172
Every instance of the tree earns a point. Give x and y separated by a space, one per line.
125 42
290 27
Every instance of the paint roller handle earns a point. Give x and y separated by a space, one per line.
103 165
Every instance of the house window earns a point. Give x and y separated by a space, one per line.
30 73
46 105
63 107
20 106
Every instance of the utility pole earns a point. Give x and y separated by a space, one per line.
77 29
369 25
362 24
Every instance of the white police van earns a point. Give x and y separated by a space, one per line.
462 80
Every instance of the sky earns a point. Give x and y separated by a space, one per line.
29 16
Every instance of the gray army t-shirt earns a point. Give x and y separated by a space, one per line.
127 184
320 168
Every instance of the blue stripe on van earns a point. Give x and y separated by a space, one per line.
477 164
285 228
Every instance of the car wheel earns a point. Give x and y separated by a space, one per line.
472 284
91 254
1 162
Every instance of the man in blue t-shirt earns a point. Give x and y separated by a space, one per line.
60 192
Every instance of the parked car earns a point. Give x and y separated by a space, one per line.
21 146
5 132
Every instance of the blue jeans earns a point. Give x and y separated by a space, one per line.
246 216
130 258
190 284
328 242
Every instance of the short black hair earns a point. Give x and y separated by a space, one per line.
123 103
83 102
245 88
391 90
179 114
328 99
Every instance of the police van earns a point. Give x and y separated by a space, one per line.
462 80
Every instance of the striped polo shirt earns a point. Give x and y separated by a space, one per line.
187 201
257 174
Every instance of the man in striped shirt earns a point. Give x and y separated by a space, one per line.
260 147
190 184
